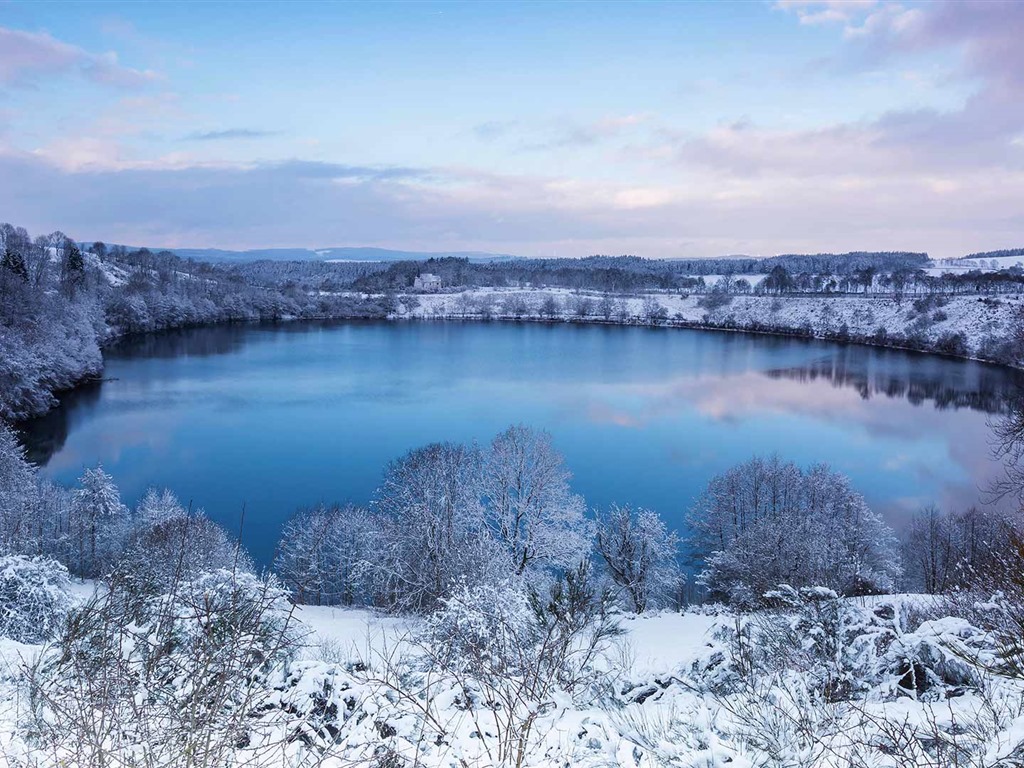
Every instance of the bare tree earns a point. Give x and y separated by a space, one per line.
430 499
325 554
641 554
767 522
532 512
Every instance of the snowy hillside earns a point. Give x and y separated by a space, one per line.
966 326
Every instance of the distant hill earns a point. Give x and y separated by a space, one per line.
333 254
1003 254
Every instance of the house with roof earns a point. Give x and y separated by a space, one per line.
427 282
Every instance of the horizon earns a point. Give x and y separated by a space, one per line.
537 130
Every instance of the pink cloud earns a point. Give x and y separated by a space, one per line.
26 56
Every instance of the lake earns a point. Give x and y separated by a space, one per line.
273 417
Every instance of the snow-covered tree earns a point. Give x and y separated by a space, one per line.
531 510
158 506
641 555
34 598
432 523
325 555
169 544
18 495
98 522
767 522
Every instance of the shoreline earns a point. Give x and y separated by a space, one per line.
431 312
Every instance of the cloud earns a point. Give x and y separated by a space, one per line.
230 133
28 56
494 129
299 203
558 134
826 11
980 134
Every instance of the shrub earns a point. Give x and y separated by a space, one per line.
952 344
487 629
714 300
34 598
184 681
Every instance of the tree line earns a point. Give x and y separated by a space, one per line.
60 302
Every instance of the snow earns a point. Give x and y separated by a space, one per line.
660 642
351 632
983 265
112 273
653 711
655 642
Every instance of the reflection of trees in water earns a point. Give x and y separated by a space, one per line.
184 342
1008 433
45 435
205 341
915 378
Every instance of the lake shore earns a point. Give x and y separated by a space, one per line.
969 327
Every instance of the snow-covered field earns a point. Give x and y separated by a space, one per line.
984 265
673 690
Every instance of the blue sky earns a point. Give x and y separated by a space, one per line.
662 129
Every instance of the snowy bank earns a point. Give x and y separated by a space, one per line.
975 327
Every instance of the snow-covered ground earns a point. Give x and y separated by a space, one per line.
978 318
664 700
669 692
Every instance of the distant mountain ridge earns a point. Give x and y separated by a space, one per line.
333 254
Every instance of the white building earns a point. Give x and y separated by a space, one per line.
427 282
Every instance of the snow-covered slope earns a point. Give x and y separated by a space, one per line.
882 319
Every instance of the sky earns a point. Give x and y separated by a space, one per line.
541 129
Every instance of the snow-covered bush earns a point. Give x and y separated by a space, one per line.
841 650
180 683
767 522
170 545
486 630
34 598
512 652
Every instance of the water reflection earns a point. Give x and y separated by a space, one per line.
280 416
184 342
46 435
918 379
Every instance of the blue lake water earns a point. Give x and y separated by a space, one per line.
271 418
